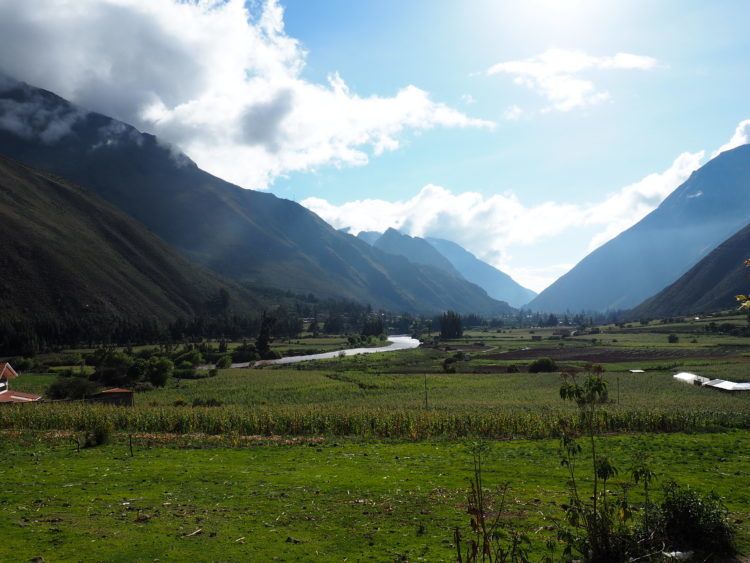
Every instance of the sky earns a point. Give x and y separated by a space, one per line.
528 132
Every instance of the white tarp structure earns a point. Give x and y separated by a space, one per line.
691 378
720 384
727 385
636 371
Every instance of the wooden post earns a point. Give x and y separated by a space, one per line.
618 389
130 441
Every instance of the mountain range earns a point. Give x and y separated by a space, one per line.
711 285
453 259
247 236
65 253
693 220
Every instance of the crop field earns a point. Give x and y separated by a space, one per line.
363 457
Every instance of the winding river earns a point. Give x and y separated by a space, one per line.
397 342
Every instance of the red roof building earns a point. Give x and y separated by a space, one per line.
6 395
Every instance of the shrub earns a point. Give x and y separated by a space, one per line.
691 521
224 362
71 388
449 365
673 339
198 402
543 365
159 370
512 368
98 434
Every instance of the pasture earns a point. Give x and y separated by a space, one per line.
364 457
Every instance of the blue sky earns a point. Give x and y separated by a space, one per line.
529 132
693 100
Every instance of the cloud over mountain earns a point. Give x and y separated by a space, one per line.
498 227
223 82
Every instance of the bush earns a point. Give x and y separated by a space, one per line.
673 339
245 353
449 365
159 370
198 402
98 434
71 388
543 365
691 521
224 362
512 368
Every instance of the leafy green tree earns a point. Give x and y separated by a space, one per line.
159 370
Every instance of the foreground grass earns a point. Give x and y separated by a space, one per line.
360 500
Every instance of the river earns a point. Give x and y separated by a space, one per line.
397 342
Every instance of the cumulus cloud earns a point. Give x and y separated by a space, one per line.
221 81
741 137
499 227
555 74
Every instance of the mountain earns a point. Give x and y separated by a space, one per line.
66 253
245 235
417 250
709 286
496 283
704 211
369 236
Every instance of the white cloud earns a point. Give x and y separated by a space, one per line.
468 99
741 137
223 83
499 228
513 113
555 74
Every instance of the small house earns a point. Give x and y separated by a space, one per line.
6 395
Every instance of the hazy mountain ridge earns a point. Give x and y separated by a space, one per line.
497 283
415 249
700 214
243 234
709 286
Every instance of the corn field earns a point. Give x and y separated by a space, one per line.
360 422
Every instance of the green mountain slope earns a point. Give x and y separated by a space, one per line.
66 253
711 285
241 234
704 211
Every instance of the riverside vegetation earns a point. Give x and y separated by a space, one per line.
365 455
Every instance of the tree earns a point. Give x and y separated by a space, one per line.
450 325
159 370
373 326
263 342
743 299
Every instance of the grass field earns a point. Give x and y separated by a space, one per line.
342 458
333 500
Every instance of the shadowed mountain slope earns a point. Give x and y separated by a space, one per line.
711 285
65 252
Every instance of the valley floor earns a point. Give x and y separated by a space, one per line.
314 500
364 458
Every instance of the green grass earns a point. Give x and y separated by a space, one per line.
348 499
